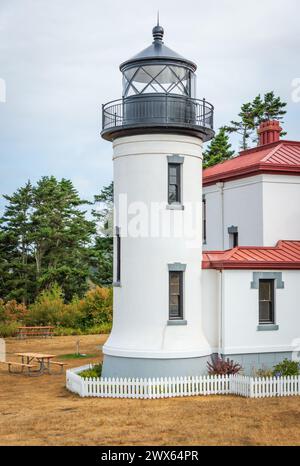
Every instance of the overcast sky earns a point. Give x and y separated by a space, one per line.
59 60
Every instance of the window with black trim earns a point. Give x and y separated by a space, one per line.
204 220
175 295
266 301
118 263
174 183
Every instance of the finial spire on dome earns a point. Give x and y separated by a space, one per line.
158 31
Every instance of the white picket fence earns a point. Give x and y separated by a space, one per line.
167 387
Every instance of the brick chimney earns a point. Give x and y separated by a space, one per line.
269 131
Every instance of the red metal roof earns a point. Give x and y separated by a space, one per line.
281 157
285 255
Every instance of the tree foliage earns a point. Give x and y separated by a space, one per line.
219 150
43 240
252 114
102 251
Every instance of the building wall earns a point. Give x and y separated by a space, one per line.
211 293
241 202
281 208
240 314
265 208
140 320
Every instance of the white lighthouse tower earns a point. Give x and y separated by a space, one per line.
157 130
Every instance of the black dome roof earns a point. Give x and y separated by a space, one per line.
158 51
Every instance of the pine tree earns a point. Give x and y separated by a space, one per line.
16 229
45 238
255 112
60 236
219 150
268 108
102 250
245 126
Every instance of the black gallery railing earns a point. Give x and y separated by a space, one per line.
157 110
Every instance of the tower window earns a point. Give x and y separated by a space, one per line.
175 295
266 301
118 262
204 220
174 183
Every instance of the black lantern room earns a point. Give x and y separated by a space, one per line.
159 88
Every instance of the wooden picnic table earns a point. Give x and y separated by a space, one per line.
42 359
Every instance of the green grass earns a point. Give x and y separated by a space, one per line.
77 356
8 329
94 330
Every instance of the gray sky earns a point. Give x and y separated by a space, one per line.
60 58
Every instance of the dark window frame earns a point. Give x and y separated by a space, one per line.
271 301
204 230
177 166
118 262
179 315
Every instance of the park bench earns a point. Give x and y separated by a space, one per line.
58 363
43 331
18 364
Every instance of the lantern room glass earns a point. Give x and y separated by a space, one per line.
159 79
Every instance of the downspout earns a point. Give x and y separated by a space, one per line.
220 313
220 186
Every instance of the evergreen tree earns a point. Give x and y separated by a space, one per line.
245 126
60 236
253 113
219 150
44 237
16 248
102 250
268 108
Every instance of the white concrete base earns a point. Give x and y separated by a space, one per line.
142 367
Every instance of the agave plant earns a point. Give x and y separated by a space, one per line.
222 366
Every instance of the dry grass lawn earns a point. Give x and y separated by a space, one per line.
40 411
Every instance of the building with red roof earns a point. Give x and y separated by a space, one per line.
251 251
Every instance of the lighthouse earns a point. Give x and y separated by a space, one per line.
157 130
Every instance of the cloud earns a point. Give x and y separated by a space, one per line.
60 61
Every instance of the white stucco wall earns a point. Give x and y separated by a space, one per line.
240 314
210 281
281 208
141 303
242 207
265 208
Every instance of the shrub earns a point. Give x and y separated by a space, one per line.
12 311
90 315
262 373
49 308
95 371
96 307
221 366
286 368
8 329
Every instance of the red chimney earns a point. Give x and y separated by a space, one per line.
269 131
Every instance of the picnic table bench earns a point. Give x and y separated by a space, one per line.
18 364
44 362
41 331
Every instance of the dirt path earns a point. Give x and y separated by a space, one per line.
40 411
